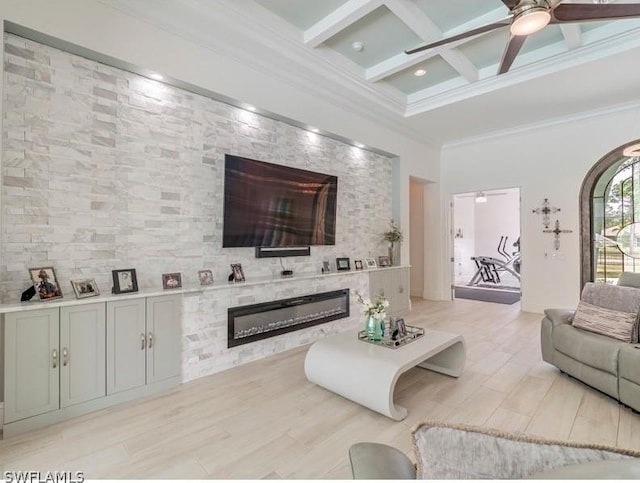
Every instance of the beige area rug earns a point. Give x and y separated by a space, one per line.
450 451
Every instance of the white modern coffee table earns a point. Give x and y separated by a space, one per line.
367 373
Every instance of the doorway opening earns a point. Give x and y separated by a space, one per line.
486 246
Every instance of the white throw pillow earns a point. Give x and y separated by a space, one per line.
609 322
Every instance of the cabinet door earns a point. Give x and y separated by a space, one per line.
31 364
400 289
126 345
164 337
378 283
82 353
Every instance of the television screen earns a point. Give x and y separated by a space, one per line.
268 205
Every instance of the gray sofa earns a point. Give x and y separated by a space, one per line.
609 365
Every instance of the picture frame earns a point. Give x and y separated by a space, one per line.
45 283
86 287
358 264
205 277
325 267
171 281
343 263
237 272
402 328
384 261
371 263
124 281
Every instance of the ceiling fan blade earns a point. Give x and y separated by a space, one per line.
470 33
511 4
510 53
585 12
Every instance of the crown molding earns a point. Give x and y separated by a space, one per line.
536 126
429 99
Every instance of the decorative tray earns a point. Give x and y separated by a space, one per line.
413 333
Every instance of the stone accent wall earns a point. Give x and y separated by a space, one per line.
103 169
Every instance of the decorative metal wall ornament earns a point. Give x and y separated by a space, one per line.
545 211
556 233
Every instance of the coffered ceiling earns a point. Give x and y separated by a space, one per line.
561 71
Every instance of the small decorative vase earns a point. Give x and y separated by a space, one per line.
374 328
391 260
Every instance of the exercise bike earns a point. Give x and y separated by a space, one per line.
490 268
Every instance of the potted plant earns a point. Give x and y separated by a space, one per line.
392 236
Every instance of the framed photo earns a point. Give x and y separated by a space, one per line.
171 280
371 263
124 281
205 277
402 328
343 264
358 264
384 261
325 267
238 274
84 288
45 283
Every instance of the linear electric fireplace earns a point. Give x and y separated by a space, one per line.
261 321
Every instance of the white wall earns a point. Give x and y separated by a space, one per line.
416 216
90 24
499 216
549 162
464 248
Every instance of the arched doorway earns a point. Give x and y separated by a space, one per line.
610 216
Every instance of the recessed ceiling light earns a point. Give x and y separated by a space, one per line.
420 72
315 129
157 77
358 46
359 145
632 151
251 108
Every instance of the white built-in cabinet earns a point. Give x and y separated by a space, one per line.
72 359
393 282
143 342
54 358
32 362
82 353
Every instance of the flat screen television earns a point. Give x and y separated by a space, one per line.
269 205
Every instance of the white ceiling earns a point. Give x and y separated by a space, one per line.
560 73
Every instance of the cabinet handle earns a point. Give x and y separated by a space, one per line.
65 356
400 289
143 342
55 358
150 340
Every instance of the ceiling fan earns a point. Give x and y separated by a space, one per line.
529 16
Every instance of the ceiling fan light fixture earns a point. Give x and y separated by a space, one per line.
481 197
632 151
530 19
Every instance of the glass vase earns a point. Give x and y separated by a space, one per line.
374 328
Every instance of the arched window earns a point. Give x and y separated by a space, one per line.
610 216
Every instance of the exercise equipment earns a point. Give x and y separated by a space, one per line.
490 268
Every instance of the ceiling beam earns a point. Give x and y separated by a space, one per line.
423 26
572 35
339 19
402 61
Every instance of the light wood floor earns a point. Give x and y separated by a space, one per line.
265 420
